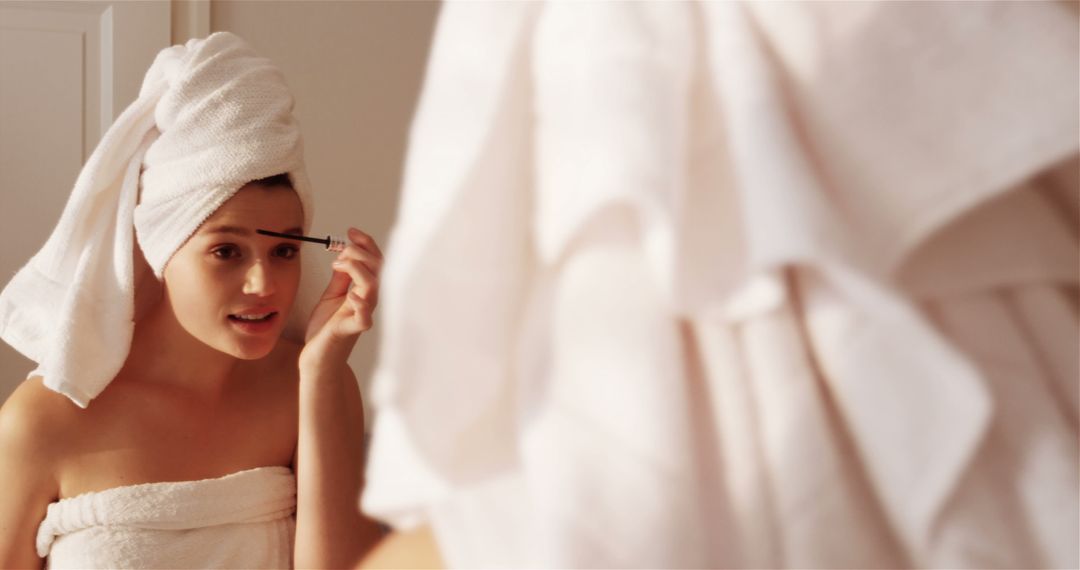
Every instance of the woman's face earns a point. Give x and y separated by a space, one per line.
232 288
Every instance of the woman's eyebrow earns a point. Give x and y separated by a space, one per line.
226 230
243 231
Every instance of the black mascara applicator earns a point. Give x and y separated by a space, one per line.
332 244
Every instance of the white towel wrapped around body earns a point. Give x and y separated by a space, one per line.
211 116
241 520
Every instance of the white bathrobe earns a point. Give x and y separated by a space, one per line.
727 285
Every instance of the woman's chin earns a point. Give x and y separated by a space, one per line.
253 349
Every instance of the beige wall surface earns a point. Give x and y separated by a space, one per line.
355 68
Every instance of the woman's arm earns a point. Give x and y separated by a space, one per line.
400 550
27 478
330 530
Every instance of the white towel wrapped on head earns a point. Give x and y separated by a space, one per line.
211 116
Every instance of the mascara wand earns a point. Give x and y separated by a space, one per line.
332 245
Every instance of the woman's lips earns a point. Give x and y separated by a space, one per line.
254 327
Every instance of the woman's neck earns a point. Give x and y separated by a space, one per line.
163 352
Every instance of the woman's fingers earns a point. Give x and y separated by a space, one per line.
340 283
373 262
356 276
364 281
358 319
362 311
364 249
365 241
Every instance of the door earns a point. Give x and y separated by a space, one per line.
67 69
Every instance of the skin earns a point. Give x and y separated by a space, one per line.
400 550
198 398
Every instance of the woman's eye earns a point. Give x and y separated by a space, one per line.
226 252
287 251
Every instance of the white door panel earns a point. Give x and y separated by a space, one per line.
66 70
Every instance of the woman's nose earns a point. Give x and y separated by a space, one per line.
259 280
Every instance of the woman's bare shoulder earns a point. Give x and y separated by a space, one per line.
29 453
35 426
35 411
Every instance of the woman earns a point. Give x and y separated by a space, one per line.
186 455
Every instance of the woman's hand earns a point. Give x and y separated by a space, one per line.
345 308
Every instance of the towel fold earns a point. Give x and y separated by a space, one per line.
211 116
242 520
714 284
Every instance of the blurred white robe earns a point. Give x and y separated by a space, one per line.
725 285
